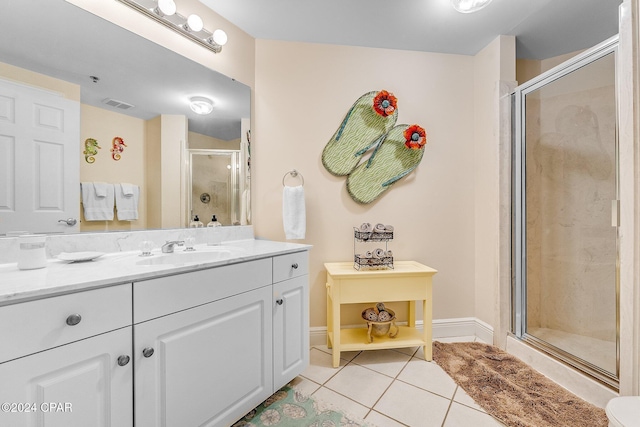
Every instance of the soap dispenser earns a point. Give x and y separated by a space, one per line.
215 235
214 222
196 223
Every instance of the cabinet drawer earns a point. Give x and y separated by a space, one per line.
38 325
165 295
290 265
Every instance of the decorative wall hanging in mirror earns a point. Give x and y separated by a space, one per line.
117 147
370 125
91 148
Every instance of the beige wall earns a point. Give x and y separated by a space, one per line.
303 92
103 125
24 76
495 63
198 141
526 69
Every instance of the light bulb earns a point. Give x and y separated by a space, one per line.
201 105
167 7
469 6
220 37
195 23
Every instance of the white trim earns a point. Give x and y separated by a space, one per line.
442 328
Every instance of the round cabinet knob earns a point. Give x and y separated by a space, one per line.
294 265
123 360
279 301
147 352
73 319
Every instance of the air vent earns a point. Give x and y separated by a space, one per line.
117 104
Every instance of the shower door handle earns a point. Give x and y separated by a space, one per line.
615 213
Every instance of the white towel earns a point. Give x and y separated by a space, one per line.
101 188
293 212
127 189
97 208
127 196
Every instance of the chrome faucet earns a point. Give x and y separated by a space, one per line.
167 248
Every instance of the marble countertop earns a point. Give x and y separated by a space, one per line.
61 277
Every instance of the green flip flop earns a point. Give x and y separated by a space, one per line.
396 156
368 120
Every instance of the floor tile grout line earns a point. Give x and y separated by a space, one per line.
446 414
390 384
391 418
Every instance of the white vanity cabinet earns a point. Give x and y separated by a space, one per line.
66 360
210 364
196 348
290 317
213 344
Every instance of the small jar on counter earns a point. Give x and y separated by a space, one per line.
32 253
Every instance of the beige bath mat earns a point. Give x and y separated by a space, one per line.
512 391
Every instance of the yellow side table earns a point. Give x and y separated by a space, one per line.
408 281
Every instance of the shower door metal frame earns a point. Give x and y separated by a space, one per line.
519 238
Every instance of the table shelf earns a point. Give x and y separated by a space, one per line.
409 281
355 339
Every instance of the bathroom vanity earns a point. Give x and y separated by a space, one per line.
177 343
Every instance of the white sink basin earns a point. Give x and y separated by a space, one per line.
198 256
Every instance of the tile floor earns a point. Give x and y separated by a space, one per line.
391 388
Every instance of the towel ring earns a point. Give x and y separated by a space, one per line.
294 173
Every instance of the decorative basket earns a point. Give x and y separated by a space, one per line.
381 329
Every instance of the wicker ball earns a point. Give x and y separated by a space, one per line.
384 316
370 315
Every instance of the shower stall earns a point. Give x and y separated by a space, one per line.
565 213
216 185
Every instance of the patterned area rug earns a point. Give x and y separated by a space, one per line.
511 391
290 408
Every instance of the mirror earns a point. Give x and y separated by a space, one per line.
130 88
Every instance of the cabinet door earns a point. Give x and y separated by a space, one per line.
210 364
290 329
75 385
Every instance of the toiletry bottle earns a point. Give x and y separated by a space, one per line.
196 223
214 222
215 235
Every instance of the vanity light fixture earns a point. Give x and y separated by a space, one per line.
201 105
469 6
192 27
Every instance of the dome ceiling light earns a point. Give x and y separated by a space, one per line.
201 105
469 6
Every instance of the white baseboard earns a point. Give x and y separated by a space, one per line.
442 328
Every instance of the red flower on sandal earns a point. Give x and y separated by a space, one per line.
385 103
415 137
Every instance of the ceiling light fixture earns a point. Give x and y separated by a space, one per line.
469 6
166 7
165 12
194 23
201 105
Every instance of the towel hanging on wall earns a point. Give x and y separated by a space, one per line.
97 207
127 196
293 209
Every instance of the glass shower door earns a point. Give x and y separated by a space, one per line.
214 183
566 215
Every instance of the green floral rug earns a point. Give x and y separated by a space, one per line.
290 408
